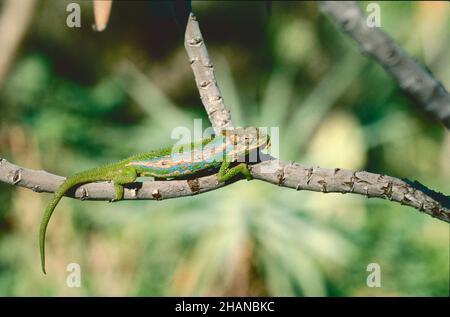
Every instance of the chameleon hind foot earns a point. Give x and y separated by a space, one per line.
124 176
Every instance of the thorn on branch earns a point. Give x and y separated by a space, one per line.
194 185
392 58
387 190
435 211
323 183
208 64
351 183
16 176
156 194
309 174
421 207
196 41
216 99
360 180
84 193
280 176
205 84
405 199
212 112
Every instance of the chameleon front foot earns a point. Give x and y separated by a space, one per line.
226 173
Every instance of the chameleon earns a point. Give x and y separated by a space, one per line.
220 152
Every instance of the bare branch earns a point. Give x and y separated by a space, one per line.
291 175
301 177
204 76
410 75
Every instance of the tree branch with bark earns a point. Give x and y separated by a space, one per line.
271 170
412 78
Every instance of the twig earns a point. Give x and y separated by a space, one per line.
291 175
204 76
410 75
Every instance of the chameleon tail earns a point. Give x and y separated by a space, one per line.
68 184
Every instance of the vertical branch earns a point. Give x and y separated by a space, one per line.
204 76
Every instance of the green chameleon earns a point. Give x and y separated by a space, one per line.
220 151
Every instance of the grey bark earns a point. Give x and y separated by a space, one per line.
413 78
205 79
291 175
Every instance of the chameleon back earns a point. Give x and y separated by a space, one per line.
194 157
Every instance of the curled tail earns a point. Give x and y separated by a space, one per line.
68 184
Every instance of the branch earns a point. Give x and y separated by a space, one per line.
291 175
204 76
410 75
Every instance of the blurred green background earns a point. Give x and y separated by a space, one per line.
74 99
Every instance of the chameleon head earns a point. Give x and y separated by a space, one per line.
247 139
